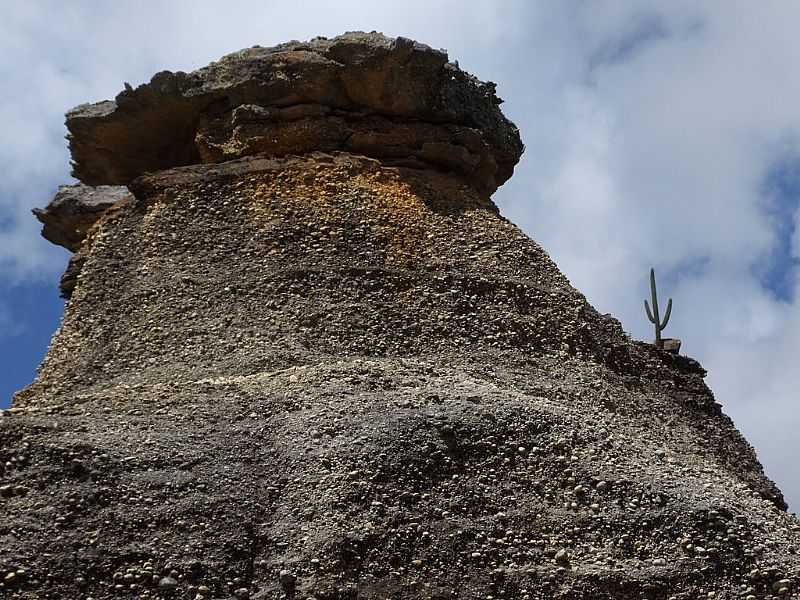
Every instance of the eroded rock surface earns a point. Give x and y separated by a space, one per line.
74 209
68 218
334 375
393 99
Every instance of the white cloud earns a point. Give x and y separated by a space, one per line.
663 163
650 129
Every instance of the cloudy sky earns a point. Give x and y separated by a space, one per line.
661 134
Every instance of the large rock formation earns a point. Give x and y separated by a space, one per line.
304 357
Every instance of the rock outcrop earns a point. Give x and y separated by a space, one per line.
392 99
304 357
73 211
69 217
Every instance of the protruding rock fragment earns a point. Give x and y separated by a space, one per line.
74 209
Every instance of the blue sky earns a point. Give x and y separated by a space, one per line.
661 134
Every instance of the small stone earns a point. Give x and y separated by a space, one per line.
601 486
562 556
242 594
287 580
659 562
167 583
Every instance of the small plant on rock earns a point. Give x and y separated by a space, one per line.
653 315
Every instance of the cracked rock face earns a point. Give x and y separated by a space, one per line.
305 357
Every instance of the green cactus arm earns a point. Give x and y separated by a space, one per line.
666 316
649 314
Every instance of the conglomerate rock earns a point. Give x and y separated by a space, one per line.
334 375
69 217
74 210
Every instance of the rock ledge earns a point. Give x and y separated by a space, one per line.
392 99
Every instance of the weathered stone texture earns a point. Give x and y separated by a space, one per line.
74 209
387 98
287 373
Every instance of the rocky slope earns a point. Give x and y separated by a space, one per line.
304 357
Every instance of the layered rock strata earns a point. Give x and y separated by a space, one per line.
298 364
392 99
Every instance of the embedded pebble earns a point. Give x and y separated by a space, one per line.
167 583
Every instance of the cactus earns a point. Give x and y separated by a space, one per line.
653 316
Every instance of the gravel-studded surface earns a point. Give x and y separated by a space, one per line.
316 377
388 478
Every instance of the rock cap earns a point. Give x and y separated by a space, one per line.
392 99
